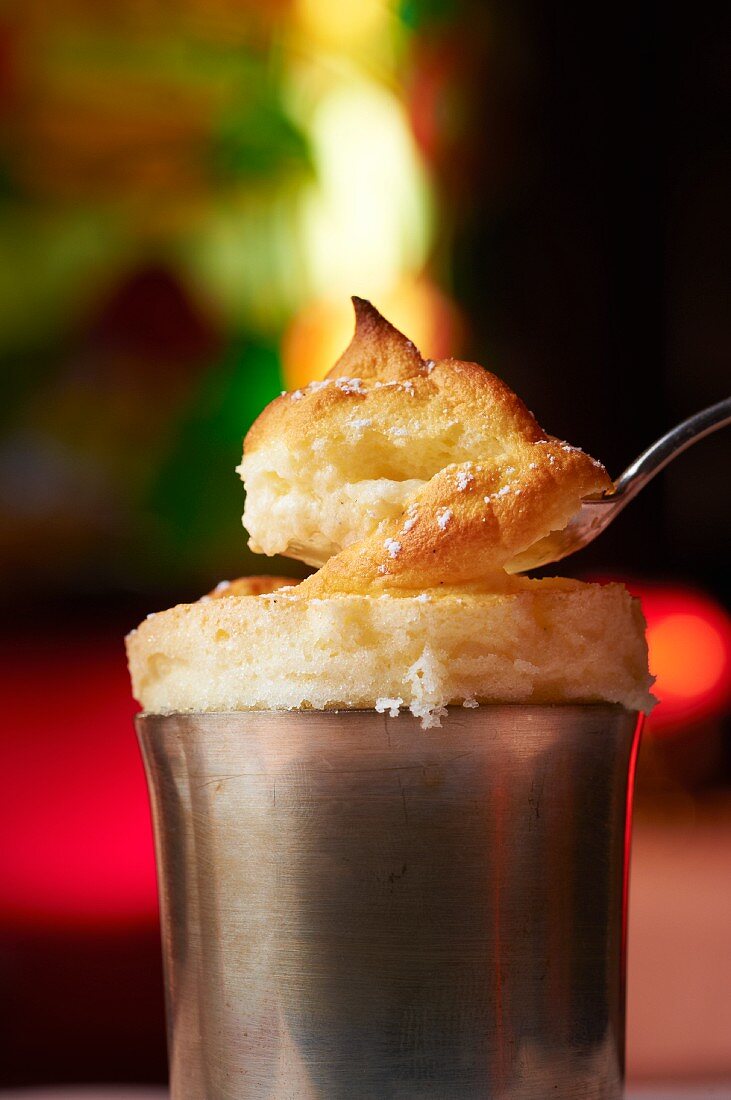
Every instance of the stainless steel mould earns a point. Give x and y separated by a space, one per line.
354 908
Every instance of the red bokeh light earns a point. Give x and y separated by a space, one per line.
689 638
73 804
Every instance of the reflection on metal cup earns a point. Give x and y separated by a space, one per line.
353 907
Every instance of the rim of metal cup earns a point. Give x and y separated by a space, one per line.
404 712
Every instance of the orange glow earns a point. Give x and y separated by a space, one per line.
320 333
688 655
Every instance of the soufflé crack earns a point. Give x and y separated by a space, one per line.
415 486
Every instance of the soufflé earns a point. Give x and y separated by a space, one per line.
416 487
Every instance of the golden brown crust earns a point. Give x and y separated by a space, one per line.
379 353
377 350
456 537
258 585
481 496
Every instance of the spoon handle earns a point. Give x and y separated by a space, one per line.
668 447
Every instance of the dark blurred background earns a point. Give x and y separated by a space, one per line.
189 192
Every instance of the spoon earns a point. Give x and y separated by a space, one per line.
596 513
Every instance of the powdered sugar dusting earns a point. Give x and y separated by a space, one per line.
393 546
503 491
444 518
312 387
463 479
350 385
412 514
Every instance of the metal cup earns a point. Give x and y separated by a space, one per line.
355 908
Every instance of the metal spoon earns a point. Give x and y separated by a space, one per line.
596 513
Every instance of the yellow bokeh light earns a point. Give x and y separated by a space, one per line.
366 218
338 24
